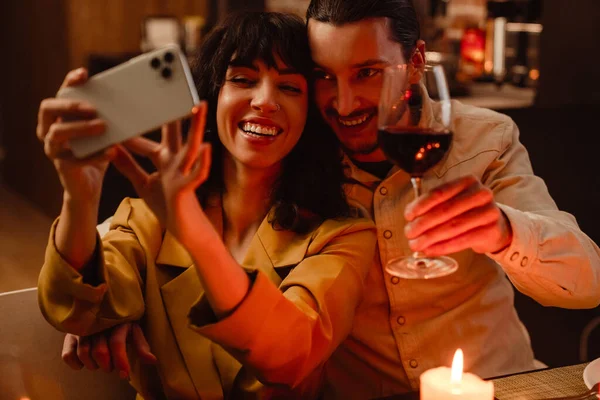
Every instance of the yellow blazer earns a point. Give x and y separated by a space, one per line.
270 344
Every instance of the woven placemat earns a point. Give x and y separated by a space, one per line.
554 382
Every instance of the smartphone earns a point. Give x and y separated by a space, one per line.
136 97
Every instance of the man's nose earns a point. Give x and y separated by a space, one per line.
346 101
265 99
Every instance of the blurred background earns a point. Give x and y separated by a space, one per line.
533 60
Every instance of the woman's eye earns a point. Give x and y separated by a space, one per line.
368 72
290 88
242 81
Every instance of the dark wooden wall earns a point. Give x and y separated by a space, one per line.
40 42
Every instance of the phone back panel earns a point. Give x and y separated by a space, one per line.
135 97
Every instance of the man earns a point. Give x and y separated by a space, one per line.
482 205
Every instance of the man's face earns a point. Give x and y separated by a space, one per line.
350 61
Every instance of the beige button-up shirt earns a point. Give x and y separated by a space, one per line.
404 327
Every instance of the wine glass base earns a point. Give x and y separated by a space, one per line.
422 267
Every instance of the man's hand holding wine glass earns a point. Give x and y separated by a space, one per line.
458 215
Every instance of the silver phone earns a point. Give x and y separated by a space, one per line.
136 97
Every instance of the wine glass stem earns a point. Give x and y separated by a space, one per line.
416 184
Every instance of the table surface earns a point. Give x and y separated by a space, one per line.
534 385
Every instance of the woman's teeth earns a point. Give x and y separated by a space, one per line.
260 129
353 122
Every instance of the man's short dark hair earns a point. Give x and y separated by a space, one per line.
404 24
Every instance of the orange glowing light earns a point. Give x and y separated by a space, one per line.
534 74
419 156
437 145
457 367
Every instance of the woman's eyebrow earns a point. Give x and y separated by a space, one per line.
287 71
242 64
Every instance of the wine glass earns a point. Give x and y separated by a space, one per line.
415 133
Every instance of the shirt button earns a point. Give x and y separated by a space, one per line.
413 363
383 190
514 256
401 321
395 280
387 234
524 261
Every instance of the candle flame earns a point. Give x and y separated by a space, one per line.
457 367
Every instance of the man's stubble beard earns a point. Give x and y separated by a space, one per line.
364 149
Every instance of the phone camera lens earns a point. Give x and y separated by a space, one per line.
169 57
155 63
166 73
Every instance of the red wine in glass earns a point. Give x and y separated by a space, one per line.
415 150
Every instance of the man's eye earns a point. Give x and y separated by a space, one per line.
320 74
368 72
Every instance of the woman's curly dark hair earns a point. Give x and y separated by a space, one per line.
310 187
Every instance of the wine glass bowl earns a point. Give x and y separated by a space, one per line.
415 133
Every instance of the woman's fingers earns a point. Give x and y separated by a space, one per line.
142 348
69 352
101 353
55 141
171 136
83 352
195 137
126 164
144 147
52 109
75 77
201 168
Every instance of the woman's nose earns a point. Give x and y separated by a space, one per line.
265 99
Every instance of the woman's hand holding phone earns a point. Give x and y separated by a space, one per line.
60 120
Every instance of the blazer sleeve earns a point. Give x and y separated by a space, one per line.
550 258
285 333
108 293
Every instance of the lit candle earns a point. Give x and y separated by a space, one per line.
446 383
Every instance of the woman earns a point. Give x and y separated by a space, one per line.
262 252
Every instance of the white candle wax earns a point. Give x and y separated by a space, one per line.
436 384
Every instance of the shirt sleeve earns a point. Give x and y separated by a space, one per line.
550 259
109 294
284 333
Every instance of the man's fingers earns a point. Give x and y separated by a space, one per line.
142 348
471 198
69 352
118 349
83 352
455 227
436 196
126 164
473 239
101 353
195 137
171 136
